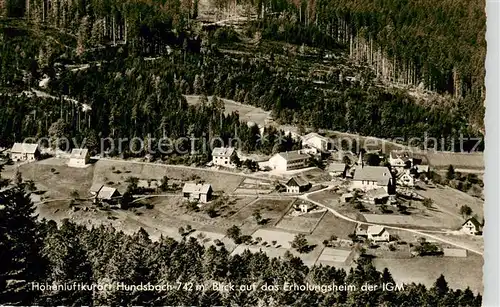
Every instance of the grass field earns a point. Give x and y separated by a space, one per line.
304 223
104 172
57 179
271 210
332 225
458 160
459 272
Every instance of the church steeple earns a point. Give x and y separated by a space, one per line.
360 160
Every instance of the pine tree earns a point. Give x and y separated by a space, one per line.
20 249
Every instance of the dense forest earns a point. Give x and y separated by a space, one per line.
41 252
116 38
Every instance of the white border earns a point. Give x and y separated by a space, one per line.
492 185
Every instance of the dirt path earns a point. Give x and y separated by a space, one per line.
421 232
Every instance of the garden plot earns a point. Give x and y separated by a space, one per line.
332 225
334 255
304 223
283 239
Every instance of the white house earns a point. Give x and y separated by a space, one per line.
297 184
405 179
372 177
285 161
197 192
223 156
24 152
79 157
472 227
398 159
317 141
377 233
104 193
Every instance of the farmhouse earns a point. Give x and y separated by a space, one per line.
337 169
285 161
317 141
472 227
79 157
403 160
377 233
405 179
24 152
223 156
297 184
107 194
377 196
197 192
373 177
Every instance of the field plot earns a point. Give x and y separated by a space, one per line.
172 207
251 186
450 200
271 210
459 272
116 171
304 223
246 112
401 220
458 160
332 225
282 238
58 179
337 256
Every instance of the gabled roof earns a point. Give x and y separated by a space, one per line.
336 167
312 135
297 181
79 153
381 174
223 151
197 188
107 193
377 193
293 155
376 230
474 222
24 148
403 155
96 187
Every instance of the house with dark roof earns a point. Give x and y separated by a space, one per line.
79 157
197 192
24 152
472 227
403 159
297 184
223 156
373 177
290 160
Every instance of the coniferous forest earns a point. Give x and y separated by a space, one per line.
94 52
